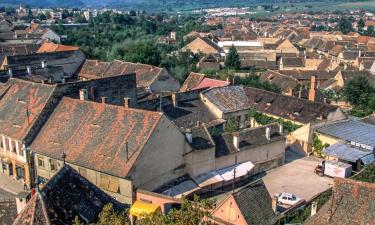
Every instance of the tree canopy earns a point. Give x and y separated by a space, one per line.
232 60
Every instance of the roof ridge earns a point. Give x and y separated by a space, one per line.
110 105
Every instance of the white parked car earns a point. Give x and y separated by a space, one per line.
288 199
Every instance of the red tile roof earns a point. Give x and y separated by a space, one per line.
146 74
352 202
198 81
96 135
211 83
20 105
52 47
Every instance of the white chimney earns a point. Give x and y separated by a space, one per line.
28 68
268 133
314 207
104 100
63 80
281 128
83 94
10 72
44 64
126 102
174 100
236 141
189 136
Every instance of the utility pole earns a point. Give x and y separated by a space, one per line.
234 175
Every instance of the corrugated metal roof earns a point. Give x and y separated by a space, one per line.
351 130
346 152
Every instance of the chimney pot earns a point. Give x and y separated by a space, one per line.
236 141
189 136
312 92
174 100
10 72
268 133
126 102
314 207
28 68
44 64
104 100
83 95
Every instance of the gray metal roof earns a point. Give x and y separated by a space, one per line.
352 131
346 152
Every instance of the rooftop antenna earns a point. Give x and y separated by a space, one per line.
27 115
127 150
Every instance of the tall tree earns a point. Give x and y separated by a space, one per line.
361 24
232 60
190 213
357 91
345 26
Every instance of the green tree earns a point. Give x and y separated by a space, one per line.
370 30
190 213
42 17
109 216
318 146
357 91
371 102
361 24
345 26
231 125
232 60
77 221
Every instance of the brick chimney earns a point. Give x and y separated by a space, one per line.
312 91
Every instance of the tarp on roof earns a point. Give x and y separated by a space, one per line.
241 170
141 209
207 179
347 152
183 188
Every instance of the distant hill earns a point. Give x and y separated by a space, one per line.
44 3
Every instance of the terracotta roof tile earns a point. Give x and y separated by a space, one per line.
66 195
21 104
52 47
352 203
96 135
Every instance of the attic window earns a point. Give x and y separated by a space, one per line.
297 112
271 101
271 76
95 125
21 101
258 99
